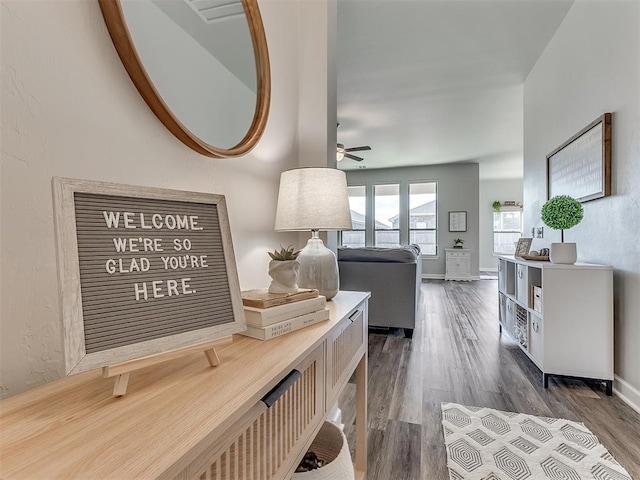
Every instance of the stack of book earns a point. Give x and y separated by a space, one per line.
272 315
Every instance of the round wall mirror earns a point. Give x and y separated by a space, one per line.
202 66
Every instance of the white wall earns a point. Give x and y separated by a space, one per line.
457 191
491 190
69 109
317 96
592 66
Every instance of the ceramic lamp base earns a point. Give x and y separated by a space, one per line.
318 268
564 253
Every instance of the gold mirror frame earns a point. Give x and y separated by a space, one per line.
121 37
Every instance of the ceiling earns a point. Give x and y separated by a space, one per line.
439 81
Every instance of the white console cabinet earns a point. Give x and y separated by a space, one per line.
561 316
458 264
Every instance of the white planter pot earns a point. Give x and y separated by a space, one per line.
331 446
563 253
284 274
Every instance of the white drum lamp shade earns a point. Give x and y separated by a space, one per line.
314 199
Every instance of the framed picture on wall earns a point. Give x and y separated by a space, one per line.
581 166
457 221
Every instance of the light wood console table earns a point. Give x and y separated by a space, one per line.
183 419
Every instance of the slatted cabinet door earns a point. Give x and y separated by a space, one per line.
260 445
344 348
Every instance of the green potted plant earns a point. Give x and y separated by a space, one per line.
283 269
496 205
561 213
458 243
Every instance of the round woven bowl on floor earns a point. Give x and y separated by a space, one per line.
330 445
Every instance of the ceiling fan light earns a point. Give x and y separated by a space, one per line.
340 151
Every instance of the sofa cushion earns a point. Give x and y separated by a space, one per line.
404 254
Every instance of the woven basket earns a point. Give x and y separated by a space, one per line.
330 445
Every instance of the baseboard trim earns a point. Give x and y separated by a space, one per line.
440 276
494 269
627 393
433 276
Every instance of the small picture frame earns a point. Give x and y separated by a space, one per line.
523 246
458 221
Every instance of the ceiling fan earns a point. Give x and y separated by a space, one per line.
342 152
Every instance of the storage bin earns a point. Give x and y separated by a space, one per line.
330 445
536 300
522 282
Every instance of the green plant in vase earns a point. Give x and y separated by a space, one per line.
561 213
458 243
496 205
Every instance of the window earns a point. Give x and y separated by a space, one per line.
358 207
422 216
393 214
507 229
387 214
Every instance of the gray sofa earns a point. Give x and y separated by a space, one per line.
392 275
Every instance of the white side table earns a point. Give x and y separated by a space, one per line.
458 264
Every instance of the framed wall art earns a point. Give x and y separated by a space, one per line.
142 271
458 221
581 166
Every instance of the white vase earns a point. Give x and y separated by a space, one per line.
284 274
563 253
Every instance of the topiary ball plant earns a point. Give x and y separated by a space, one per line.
561 213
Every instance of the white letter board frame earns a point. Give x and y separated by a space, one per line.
227 293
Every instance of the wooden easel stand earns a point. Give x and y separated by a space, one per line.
122 370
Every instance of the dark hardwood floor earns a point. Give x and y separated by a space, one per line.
458 355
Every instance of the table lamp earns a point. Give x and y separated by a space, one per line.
314 199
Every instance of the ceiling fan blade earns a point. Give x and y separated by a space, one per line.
353 157
358 149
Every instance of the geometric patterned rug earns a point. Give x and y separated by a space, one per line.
487 444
